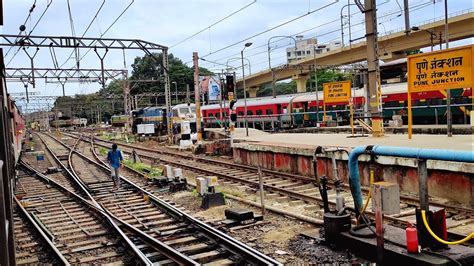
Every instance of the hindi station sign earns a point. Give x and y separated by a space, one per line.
337 91
441 70
446 69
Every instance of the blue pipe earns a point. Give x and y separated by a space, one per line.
426 154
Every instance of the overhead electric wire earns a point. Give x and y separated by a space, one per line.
73 31
87 29
413 8
32 29
113 23
295 34
93 19
102 34
213 24
272 28
32 8
42 14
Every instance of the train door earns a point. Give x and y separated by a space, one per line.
306 115
278 113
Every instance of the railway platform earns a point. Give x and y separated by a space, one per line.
293 153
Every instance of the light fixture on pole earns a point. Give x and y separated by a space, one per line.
268 47
235 58
245 91
269 60
342 24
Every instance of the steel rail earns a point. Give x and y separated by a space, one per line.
159 246
410 199
36 173
56 253
233 245
289 193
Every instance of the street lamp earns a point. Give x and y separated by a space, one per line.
269 60
235 58
176 90
268 47
342 25
245 91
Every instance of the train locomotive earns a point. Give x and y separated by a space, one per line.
157 116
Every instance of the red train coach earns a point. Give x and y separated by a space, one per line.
296 110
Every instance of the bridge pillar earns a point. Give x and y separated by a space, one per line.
300 80
252 92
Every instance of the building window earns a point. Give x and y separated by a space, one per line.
308 52
298 53
288 54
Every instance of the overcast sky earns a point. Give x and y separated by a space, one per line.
167 22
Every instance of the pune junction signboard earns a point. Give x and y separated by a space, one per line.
440 70
446 69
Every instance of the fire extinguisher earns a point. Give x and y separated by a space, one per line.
412 239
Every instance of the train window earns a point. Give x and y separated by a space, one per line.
210 115
193 109
218 115
249 113
184 110
269 112
175 113
259 112
459 100
241 113
436 101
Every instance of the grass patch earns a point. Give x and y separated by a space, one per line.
105 137
233 192
144 168
103 151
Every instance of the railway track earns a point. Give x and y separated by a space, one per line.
32 245
78 232
290 188
158 220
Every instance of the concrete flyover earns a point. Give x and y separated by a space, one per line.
392 46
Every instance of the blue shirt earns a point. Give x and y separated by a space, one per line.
114 158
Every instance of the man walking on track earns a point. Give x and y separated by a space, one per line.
114 157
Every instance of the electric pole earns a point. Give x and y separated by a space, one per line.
449 117
197 96
374 87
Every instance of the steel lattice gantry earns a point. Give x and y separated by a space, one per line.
98 43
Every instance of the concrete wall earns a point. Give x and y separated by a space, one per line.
451 181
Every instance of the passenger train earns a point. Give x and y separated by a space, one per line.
299 110
16 127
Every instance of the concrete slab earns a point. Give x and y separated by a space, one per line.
310 141
293 153
240 132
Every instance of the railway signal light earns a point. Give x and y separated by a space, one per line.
229 84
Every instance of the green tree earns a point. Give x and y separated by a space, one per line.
147 68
